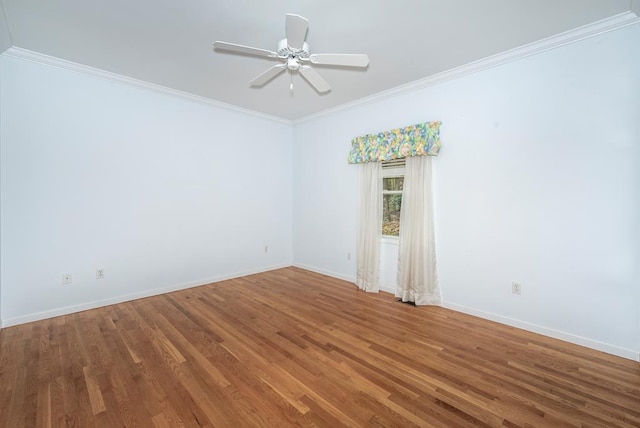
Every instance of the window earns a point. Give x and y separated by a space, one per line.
392 185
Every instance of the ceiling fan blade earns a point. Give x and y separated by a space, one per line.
243 49
268 75
296 30
350 60
314 79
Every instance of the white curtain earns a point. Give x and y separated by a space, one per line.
369 227
417 272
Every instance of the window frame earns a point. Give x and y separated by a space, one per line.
390 172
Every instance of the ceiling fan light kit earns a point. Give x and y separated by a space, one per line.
293 51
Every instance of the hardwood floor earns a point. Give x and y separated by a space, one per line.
295 348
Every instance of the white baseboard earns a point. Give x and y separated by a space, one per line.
387 289
128 297
326 272
556 334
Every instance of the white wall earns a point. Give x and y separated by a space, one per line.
537 182
153 188
325 198
1 185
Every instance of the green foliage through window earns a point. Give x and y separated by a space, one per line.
391 204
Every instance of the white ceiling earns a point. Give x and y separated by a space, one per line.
168 42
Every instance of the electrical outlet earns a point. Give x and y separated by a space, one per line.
66 279
99 273
515 288
348 256
266 248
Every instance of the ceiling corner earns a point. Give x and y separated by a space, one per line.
635 7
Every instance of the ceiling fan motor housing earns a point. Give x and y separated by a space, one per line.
284 51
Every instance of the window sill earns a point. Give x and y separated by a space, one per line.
393 240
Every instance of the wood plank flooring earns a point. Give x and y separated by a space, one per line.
294 348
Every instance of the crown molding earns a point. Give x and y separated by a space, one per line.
39 58
584 32
590 30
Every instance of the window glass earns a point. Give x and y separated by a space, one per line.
392 183
391 203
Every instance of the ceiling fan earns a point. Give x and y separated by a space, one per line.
293 51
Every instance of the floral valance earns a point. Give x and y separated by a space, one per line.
415 140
